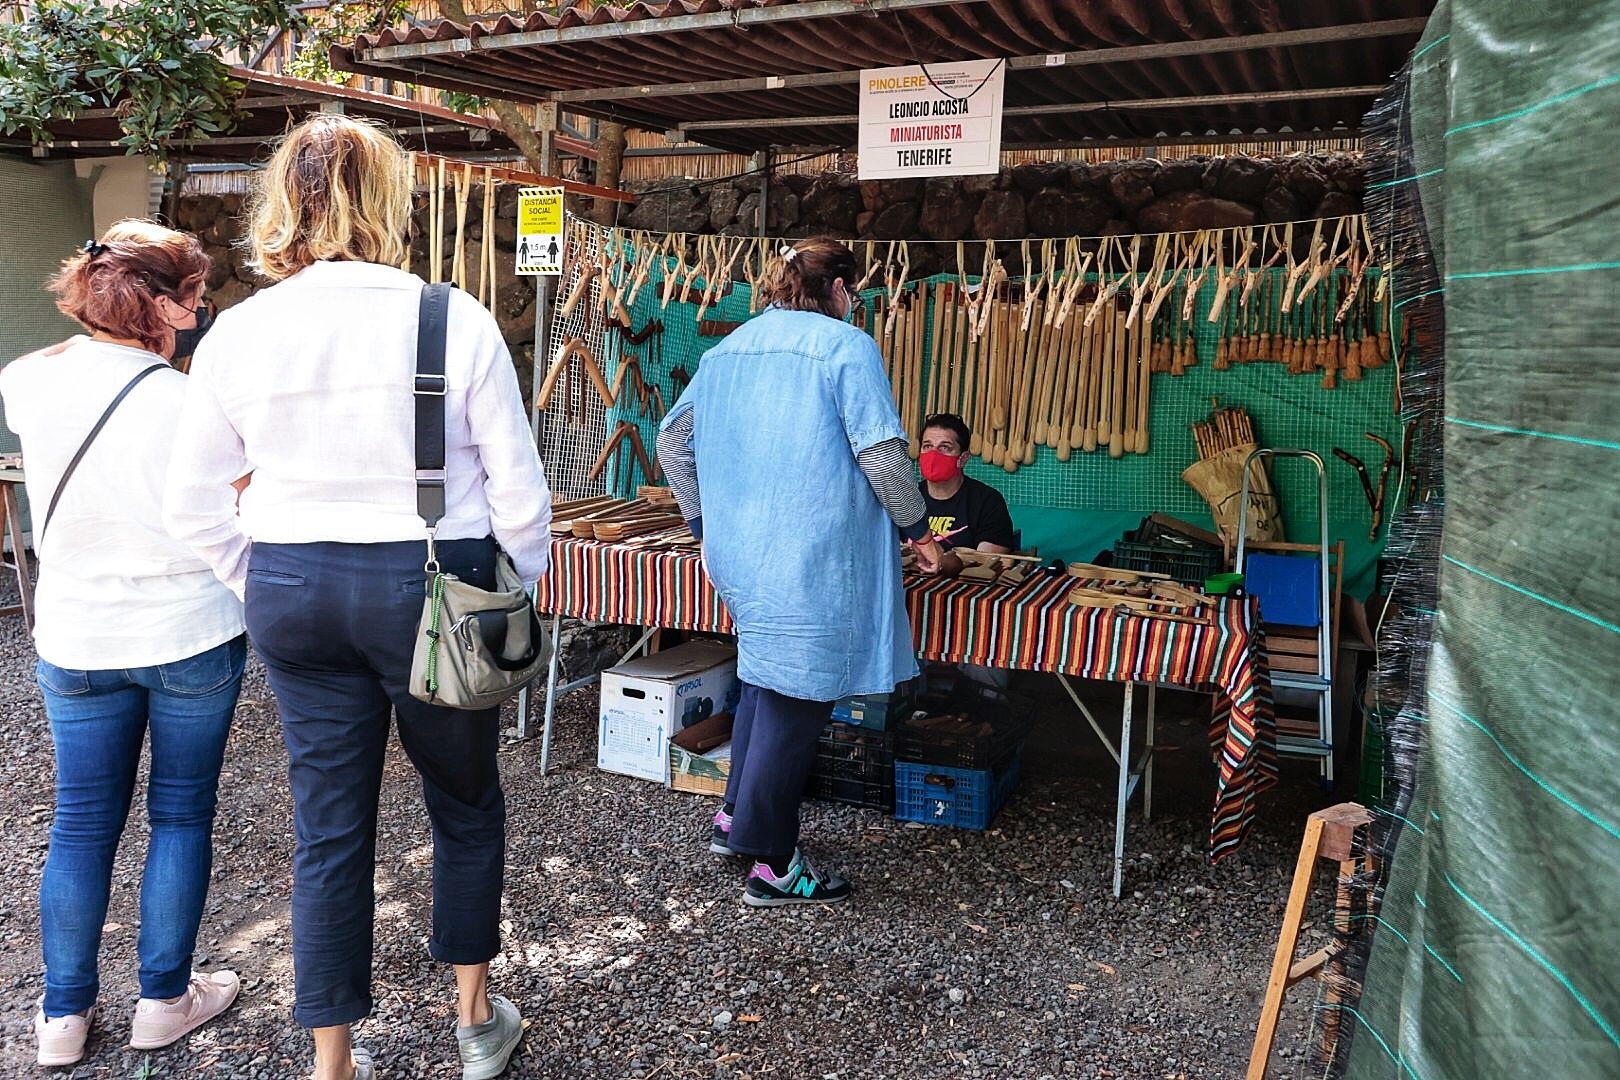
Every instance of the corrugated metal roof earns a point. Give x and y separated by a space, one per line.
688 41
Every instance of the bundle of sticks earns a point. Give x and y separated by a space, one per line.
1224 429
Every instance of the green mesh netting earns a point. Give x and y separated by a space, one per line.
1493 951
1072 510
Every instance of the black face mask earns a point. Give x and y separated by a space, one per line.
185 341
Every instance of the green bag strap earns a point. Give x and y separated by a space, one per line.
435 614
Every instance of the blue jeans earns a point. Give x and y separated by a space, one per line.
98 721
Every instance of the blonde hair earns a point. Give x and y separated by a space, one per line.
336 188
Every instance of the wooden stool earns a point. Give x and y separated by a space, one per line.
11 519
1329 834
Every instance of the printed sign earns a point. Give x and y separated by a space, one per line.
944 120
540 231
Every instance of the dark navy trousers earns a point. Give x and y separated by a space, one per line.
335 625
773 748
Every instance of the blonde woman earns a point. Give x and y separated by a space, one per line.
311 380
138 643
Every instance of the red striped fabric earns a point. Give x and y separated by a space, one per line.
1030 626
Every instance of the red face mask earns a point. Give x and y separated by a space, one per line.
938 467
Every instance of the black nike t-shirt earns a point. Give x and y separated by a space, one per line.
976 505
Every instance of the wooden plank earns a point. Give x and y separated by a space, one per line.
1307 966
1282 961
1302 664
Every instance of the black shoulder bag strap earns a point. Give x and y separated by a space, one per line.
432 326
78 455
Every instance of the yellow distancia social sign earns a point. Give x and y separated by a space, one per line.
540 231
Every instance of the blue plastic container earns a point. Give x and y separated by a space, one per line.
960 798
874 712
1289 588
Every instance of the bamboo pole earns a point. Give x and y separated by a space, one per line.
1144 372
463 192
1116 430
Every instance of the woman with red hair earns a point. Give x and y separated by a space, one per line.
135 635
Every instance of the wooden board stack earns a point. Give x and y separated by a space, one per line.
613 520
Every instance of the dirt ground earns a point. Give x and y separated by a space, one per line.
962 954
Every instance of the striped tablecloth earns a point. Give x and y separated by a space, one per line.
1031 627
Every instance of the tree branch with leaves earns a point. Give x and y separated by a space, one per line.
158 62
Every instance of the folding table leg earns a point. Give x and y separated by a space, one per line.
1147 754
551 695
1124 787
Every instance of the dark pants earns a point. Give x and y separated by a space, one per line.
335 625
773 746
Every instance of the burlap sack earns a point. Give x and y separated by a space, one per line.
1219 480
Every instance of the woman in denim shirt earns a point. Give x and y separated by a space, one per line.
788 460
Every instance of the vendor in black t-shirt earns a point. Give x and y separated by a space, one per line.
958 502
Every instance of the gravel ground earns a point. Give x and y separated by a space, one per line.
998 954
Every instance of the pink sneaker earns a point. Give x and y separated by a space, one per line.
61 1038
157 1023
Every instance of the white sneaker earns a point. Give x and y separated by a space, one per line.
61 1038
158 1023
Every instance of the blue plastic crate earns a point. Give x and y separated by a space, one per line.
960 798
874 712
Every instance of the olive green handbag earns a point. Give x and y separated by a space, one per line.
474 647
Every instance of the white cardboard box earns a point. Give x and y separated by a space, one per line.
646 701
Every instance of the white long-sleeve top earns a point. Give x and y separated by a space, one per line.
308 385
115 590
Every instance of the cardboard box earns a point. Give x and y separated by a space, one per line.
646 701
701 774
700 756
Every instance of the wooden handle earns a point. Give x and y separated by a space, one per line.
553 373
1144 372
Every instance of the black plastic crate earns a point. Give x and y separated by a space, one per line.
990 732
854 765
1190 563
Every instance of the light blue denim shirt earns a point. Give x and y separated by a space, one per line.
796 542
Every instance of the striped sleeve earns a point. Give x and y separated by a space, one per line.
888 467
679 463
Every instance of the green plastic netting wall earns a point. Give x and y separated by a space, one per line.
1074 509
1493 951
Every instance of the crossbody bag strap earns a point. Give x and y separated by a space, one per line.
429 389
78 456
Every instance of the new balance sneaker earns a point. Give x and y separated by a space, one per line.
61 1038
487 1047
800 885
720 834
159 1023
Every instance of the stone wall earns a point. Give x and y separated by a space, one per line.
217 220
